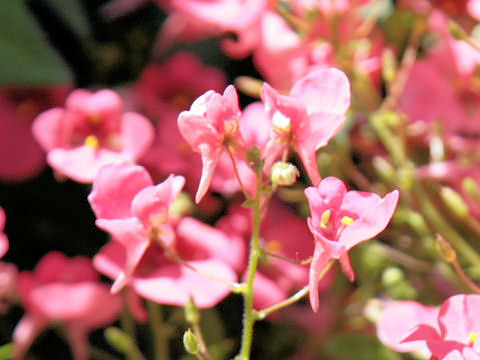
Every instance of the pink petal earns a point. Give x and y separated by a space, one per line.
56 266
173 284
78 339
326 90
83 163
371 222
26 331
458 317
105 103
114 189
137 135
398 318
346 267
319 261
327 196
49 130
210 159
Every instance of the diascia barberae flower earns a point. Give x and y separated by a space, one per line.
163 258
3 237
211 124
341 219
90 132
308 118
446 333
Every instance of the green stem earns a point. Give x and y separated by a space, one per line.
128 325
255 253
160 342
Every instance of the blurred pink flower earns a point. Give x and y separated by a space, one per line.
454 335
341 220
91 132
398 318
18 108
308 118
165 277
211 124
134 211
63 291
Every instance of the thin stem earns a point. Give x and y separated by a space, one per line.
237 175
471 285
160 341
294 298
255 253
201 342
296 262
404 259
128 325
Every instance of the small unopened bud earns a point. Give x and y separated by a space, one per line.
470 186
284 174
389 66
384 169
192 315
249 85
182 205
445 249
190 342
392 276
454 202
118 339
457 32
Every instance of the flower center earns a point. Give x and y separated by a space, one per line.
472 337
281 123
231 127
92 142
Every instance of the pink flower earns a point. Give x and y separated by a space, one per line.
398 318
308 118
454 336
134 211
3 238
66 291
339 221
161 277
211 124
91 132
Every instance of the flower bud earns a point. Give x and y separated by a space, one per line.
445 249
392 276
457 32
284 174
190 342
389 66
182 205
470 186
192 315
118 339
454 202
384 169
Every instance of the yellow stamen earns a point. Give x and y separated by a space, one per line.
472 337
92 142
157 220
325 218
346 220
231 126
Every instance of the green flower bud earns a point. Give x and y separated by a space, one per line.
190 342
192 315
470 186
457 32
284 174
454 202
392 276
445 249
182 205
118 340
389 66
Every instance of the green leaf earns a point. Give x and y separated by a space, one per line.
6 351
357 347
72 12
27 57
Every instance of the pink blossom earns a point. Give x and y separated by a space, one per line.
90 132
66 291
211 124
8 286
398 318
339 221
18 108
161 277
308 118
454 336
134 211
3 238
